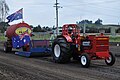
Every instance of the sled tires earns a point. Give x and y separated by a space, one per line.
6 48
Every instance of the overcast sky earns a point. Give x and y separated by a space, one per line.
42 11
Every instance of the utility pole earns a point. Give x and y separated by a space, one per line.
57 7
84 28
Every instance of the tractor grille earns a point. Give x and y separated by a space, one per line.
102 48
100 42
102 45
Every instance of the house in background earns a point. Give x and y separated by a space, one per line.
55 31
112 29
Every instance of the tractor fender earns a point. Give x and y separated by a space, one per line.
68 38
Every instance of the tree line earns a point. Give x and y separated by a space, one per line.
97 22
41 29
91 27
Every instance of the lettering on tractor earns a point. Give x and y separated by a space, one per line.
70 44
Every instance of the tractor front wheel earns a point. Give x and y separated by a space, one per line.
85 60
61 50
111 60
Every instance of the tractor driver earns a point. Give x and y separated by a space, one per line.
70 32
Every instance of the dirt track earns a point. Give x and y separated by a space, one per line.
13 67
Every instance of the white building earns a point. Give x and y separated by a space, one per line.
59 31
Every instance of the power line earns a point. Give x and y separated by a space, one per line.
57 7
107 8
101 13
99 2
96 12
95 3
74 7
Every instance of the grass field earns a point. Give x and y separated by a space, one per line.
35 37
47 37
115 39
41 37
2 38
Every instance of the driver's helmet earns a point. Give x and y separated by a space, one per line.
70 29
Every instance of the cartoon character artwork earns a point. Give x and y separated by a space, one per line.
23 37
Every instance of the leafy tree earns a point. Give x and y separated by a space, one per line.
84 21
4 9
37 29
31 26
3 26
98 22
41 29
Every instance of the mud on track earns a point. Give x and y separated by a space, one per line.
13 67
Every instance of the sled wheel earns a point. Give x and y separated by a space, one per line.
6 48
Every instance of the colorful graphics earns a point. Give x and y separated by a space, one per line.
17 42
22 30
22 38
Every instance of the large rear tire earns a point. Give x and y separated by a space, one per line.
85 60
111 60
61 50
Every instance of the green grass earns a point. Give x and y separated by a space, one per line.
41 37
2 38
36 37
47 37
115 39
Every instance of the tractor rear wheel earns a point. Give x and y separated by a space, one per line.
111 60
61 50
85 60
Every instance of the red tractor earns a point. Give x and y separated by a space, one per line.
70 44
